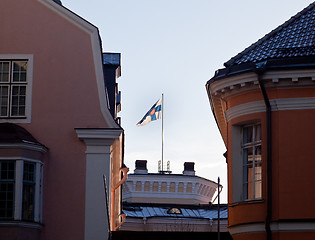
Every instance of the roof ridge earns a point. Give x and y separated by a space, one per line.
270 34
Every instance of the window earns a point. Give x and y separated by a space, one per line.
28 191
13 83
174 210
7 189
251 152
20 191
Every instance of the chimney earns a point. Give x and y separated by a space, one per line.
189 168
141 167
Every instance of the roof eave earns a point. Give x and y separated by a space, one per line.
274 64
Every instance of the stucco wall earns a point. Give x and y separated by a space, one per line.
64 97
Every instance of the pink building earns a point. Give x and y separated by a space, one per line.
59 131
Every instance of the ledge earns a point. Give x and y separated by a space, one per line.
35 225
246 202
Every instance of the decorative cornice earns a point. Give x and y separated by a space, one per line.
98 137
275 227
25 145
281 104
293 227
227 85
247 228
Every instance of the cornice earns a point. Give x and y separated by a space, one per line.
294 226
25 145
98 137
282 104
284 79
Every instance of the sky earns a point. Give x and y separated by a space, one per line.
174 47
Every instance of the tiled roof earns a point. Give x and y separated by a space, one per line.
162 210
294 38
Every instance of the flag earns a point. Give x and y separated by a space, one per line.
153 114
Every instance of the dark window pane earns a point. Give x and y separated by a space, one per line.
22 91
16 77
23 77
247 134
28 202
21 111
4 71
14 111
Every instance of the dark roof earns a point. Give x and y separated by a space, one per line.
58 1
294 38
12 133
149 210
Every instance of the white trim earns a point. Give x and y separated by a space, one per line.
30 146
29 86
97 53
37 197
98 133
241 80
18 158
276 105
293 104
231 82
247 228
275 227
244 109
98 163
21 224
293 227
18 198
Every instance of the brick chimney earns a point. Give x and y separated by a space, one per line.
189 168
141 167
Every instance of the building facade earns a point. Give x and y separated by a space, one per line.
264 104
59 132
165 202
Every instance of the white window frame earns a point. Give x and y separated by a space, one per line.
19 170
238 194
29 85
256 159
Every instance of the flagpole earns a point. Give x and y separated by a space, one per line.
162 130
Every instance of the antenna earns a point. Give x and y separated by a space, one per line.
159 166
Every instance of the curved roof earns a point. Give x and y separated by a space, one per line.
12 133
142 210
294 38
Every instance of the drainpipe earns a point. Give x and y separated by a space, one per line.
112 217
260 69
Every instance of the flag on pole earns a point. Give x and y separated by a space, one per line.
153 114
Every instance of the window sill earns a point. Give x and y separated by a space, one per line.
251 201
14 117
8 223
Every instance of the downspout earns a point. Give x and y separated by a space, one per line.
112 217
259 70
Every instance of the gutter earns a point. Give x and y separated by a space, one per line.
260 69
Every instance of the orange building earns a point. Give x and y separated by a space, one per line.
264 105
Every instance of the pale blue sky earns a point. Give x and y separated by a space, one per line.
174 47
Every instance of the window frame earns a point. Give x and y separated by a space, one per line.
253 144
19 188
237 170
26 118
8 181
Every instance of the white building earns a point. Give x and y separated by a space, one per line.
171 202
